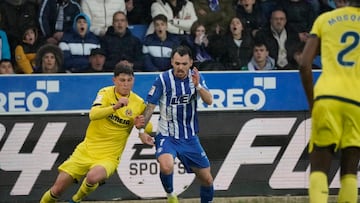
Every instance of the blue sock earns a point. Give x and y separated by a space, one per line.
167 182
206 194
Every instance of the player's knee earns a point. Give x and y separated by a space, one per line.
206 180
166 168
57 190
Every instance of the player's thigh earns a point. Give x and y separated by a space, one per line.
103 168
326 124
351 126
77 165
192 155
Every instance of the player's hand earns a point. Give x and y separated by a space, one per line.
195 76
146 139
123 101
139 121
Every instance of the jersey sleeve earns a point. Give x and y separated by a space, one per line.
155 92
101 107
315 30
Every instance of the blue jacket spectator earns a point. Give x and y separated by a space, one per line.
77 44
121 46
57 16
158 46
5 47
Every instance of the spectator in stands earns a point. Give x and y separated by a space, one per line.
282 41
199 43
6 66
158 46
5 47
56 17
77 44
25 52
299 16
180 14
252 14
341 3
261 59
101 13
233 50
16 15
267 7
138 11
97 60
215 15
49 59
121 46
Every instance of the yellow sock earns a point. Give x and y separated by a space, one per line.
319 189
348 192
48 198
84 190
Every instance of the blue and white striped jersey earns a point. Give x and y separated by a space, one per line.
177 100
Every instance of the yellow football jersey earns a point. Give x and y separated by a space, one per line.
339 32
107 137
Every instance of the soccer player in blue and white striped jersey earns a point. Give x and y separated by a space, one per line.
176 91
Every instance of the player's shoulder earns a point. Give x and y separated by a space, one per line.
135 97
106 90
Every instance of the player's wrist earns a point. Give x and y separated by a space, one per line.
198 87
141 130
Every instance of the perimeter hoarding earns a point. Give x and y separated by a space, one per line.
263 91
251 153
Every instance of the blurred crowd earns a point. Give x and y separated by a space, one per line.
87 36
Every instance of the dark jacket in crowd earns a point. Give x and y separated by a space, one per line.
292 45
49 11
229 54
15 17
299 14
253 21
118 48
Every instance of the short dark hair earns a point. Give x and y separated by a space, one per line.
120 68
161 17
182 50
5 60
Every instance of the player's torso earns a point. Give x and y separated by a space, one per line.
112 132
178 107
339 32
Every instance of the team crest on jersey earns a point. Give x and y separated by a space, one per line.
152 90
128 112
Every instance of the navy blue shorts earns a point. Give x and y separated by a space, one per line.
188 151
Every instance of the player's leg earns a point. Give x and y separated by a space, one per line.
350 154
166 157
206 182
348 172
63 181
326 131
320 160
99 172
194 156
166 162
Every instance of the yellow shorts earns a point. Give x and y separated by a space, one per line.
335 123
80 162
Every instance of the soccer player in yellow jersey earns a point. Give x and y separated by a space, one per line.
334 101
115 111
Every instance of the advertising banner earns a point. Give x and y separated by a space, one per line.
251 154
261 91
